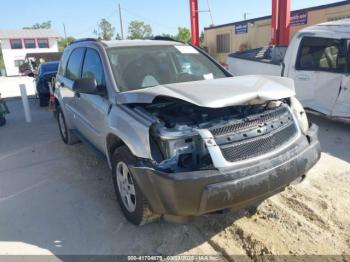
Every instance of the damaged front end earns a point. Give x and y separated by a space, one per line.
186 137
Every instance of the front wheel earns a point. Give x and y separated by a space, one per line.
129 195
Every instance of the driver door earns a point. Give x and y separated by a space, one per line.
92 108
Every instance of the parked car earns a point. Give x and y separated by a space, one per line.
46 72
317 59
32 62
181 135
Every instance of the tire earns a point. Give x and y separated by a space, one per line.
2 121
134 207
66 134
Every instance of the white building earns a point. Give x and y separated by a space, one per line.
15 44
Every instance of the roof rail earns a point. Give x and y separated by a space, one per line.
85 40
166 38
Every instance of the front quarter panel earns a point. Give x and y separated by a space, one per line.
131 129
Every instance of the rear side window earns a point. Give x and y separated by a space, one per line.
322 54
92 67
63 62
73 71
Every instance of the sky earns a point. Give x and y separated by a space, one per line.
165 16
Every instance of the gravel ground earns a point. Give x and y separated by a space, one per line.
58 199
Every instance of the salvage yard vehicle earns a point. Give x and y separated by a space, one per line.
46 72
32 62
317 59
182 136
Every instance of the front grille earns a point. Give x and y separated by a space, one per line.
259 145
250 122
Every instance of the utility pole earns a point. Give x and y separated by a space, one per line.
121 22
245 16
65 35
64 31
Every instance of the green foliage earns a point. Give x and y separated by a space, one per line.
105 30
43 25
168 35
118 37
64 42
2 65
139 30
201 39
183 34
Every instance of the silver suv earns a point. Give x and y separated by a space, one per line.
180 134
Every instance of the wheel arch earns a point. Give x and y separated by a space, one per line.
112 143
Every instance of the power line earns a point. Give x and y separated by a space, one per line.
211 15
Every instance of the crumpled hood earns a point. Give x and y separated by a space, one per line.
216 93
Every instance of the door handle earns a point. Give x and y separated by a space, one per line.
303 77
77 95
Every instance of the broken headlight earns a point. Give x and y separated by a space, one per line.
178 152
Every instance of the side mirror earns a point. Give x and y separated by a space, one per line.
87 86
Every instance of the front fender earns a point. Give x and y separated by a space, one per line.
132 129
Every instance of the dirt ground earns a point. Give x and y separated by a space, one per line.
58 199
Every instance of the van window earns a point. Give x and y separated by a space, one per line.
73 71
92 66
322 54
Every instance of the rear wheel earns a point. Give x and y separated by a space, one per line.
67 136
129 195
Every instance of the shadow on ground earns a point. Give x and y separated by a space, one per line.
60 199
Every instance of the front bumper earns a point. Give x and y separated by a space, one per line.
200 192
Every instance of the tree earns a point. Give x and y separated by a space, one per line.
43 25
183 34
139 30
168 35
118 37
105 30
2 65
201 39
64 42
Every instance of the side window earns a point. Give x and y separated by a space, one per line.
63 62
321 54
73 71
92 66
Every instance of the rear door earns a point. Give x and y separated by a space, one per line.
70 70
92 109
318 74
